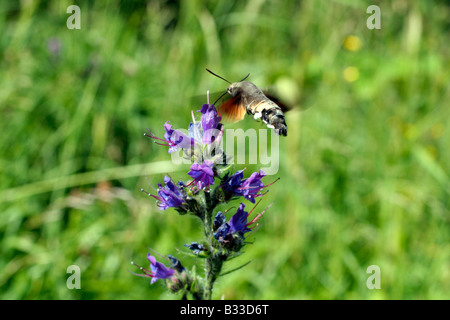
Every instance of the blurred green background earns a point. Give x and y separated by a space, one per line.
364 169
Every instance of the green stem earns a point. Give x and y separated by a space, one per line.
214 262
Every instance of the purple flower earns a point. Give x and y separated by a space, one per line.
178 138
234 182
174 139
169 196
222 228
159 270
210 123
251 186
202 174
248 188
238 222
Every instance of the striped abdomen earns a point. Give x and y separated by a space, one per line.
261 107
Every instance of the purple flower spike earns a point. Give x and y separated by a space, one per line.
159 270
202 174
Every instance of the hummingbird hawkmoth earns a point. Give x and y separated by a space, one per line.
246 97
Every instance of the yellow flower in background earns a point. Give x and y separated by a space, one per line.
350 74
352 43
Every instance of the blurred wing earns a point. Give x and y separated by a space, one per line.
232 109
298 104
283 106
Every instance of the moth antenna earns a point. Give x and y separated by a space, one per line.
220 76
245 77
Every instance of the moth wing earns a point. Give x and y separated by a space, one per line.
280 103
298 104
232 109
